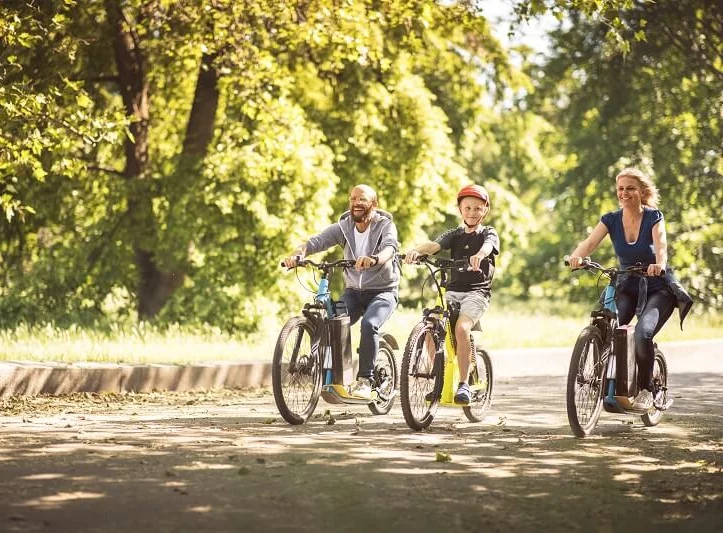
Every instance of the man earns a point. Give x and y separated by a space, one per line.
369 237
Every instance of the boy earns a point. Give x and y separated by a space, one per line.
472 288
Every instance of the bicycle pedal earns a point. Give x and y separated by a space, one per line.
664 407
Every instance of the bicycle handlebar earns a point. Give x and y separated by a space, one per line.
589 264
441 263
324 265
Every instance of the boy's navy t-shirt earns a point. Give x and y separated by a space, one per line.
461 245
642 250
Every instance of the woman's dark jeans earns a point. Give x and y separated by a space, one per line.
657 311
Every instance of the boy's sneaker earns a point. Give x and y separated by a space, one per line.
429 397
362 389
463 396
643 401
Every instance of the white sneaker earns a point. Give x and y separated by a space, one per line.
643 401
362 389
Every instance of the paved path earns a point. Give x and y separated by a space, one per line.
224 461
22 378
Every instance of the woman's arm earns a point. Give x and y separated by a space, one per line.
660 241
586 247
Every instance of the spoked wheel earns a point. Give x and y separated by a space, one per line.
296 371
585 382
480 383
422 377
660 383
386 379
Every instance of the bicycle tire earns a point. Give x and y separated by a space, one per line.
585 379
660 374
421 375
386 379
480 382
296 387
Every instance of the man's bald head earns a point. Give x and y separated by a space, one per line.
362 202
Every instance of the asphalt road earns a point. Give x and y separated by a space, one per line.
225 461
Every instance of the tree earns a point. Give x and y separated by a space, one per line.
652 103
175 194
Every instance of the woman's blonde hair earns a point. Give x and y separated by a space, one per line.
648 191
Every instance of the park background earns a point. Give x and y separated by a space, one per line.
158 158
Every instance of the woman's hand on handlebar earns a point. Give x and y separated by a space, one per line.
656 269
574 261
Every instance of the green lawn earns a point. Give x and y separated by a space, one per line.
512 325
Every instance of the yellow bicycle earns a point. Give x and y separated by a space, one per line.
429 364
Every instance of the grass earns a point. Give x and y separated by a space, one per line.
506 325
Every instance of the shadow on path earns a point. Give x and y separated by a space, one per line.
226 461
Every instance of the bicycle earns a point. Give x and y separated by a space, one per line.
603 370
313 358
429 362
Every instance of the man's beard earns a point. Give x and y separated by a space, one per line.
362 217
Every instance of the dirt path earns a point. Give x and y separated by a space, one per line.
225 461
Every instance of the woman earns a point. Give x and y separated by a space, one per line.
637 231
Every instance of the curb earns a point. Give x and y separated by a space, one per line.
26 378
19 378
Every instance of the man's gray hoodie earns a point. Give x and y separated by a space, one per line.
383 234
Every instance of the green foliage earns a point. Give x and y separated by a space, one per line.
306 99
653 104
313 97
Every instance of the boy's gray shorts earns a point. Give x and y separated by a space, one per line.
472 304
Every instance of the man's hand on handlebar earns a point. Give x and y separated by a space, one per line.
291 261
364 262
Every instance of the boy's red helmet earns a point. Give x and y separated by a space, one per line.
475 191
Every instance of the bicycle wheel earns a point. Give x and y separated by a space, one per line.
480 383
585 382
422 376
296 371
660 381
386 379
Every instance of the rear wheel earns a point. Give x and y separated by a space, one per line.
480 383
585 382
386 379
296 371
660 383
422 377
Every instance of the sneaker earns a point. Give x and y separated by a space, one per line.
362 389
643 401
429 397
463 396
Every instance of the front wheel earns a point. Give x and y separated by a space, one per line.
296 370
585 382
480 383
422 377
660 383
386 379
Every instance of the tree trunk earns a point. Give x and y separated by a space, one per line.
199 131
154 287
